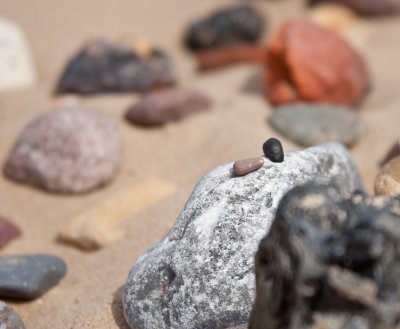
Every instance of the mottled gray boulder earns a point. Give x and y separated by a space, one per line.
9 319
201 275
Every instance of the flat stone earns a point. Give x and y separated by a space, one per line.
167 105
16 64
330 260
8 232
247 166
367 7
309 124
388 180
201 275
66 150
29 277
100 226
9 319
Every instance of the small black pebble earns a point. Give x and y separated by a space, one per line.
273 150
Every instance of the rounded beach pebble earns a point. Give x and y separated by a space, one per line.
67 150
167 105
9 319
368 7
388 180
307 62
309 124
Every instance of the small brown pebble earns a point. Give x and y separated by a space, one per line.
167 105
247 166
388 180
229 55
306 62
8 232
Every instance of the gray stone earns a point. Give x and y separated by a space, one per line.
9 319
310 124
201 275
29 277
67 150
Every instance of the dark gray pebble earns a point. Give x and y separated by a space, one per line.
313 124
29 277
273 150
9 319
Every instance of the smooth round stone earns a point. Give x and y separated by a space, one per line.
247 166
388 180
29 277
309 124
9 319
273 150
67 150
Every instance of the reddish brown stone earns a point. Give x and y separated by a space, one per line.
8 232
247 166
229 55
306 62
367 7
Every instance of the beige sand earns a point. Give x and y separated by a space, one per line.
89 296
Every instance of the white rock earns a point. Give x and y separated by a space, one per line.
16 64
201 275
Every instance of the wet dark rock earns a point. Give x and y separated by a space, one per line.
67 150
9 319
29 277
167 105
393 152
201 275
273 150
330 260
8 232
240 23
313 124
367 7
103 66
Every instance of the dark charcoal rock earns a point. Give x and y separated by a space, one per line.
313 124
368 7
9 319
393 152
29 277
273 150
167 105
68 150
329 261
8 232
235 24
201 275
103 66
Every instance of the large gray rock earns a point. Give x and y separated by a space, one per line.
201 275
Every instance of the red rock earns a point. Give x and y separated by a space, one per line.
247 166
306 62
8 232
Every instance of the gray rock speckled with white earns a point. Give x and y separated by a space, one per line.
201 275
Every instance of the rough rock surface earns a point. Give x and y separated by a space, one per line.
388 180
9 319
103 66
235 24
312 124
329 261
29 277
68 150
167 105
201 275
8 232
307 62
368 7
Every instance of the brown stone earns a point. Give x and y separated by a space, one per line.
307 62
368 7
247 166
230 55
8 232
388 180
167 105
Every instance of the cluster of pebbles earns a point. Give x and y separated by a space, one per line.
330 259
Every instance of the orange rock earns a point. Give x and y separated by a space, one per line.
306 62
